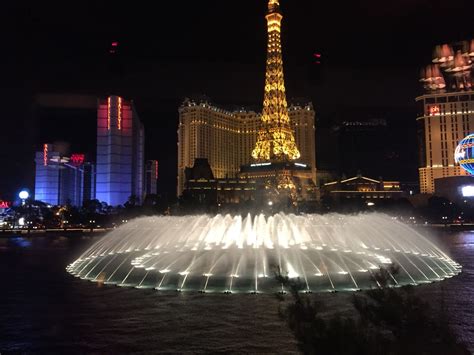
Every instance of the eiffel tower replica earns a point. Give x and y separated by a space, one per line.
276 169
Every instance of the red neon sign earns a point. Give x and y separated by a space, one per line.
108 113
434 110
45 155
156 169
77 159
119 113
5 204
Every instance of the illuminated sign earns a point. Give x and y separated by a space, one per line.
301 165
108 113
467 191
119 114
5 204
45 155
156 169
464 154
77 159
434 110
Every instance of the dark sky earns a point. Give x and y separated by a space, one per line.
371 54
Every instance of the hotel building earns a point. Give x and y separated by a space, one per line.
443 121
61 180
120 152
226 138
445 113
151 177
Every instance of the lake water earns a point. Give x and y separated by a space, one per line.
44 309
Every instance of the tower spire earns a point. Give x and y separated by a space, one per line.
275 139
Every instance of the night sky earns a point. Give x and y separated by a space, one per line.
168 50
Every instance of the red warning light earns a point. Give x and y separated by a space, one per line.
114 44
317 55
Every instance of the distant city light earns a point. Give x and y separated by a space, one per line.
301 165
115 44
21 221
370 204
270 203
317 55
468 191
24 194
260 164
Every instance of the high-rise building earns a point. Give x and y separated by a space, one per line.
226 138
120 152
151 177
47 175
62 179
445 112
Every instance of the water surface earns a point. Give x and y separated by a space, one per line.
44 309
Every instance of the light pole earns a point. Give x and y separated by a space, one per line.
23 195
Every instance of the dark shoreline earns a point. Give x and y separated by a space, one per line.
53 232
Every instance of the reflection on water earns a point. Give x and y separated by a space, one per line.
44 309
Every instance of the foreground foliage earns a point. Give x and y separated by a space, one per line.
385 320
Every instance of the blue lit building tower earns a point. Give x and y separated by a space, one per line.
120 152
47 175
61 179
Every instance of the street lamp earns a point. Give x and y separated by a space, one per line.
23 195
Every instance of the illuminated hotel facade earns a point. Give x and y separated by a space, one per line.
227 138
120 152
445 113
62 179
237 143
443 121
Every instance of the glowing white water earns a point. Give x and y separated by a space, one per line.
232 254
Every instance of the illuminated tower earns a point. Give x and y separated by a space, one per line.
120 152
275 139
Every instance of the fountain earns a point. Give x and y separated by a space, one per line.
230 254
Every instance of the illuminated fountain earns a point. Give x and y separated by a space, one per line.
240 254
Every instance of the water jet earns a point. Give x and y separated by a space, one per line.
225 253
